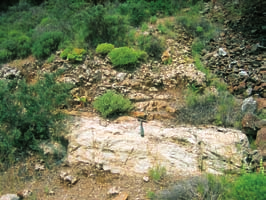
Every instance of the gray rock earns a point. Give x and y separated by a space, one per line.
249 105
222 52
121 76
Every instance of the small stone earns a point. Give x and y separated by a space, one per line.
146 179
113 190
121 196
39 167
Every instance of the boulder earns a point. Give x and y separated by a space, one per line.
119 147
261 141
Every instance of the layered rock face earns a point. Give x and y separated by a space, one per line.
118 146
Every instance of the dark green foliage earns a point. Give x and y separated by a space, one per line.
152 45
100 27
104 48
248 187
112 103
124 56
46 44
28 113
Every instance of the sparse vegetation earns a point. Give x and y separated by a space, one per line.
157 173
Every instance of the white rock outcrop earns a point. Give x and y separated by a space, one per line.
117 146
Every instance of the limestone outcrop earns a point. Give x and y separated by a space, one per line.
118 146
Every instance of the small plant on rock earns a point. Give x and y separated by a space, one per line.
104 48
112 103
157 173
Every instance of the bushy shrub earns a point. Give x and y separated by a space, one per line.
248 187
76 54
104 48
28 113
73 54
210 107
125 56
65 52
101 27
112 103
153 20
201 187
48 42
5 55
152 45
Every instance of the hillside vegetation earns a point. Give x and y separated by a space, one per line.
74 30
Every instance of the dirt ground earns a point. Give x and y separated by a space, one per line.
93 183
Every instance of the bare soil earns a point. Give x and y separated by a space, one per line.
93 183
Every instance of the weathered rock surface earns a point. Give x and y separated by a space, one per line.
118 147
9 197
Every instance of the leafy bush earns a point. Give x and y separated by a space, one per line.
104 48
248 187
28 113
124 56
112 103
157 173
46 44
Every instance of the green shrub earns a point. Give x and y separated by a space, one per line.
73 54
125 56
4 55
76 54
46 44
104 48
153 20
208 107
162 29
65 53
51 58
29 113
248 187
112 103
157 173
152 45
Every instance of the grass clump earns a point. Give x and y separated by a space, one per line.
125 56
157 173
29 113
111 103
104 48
